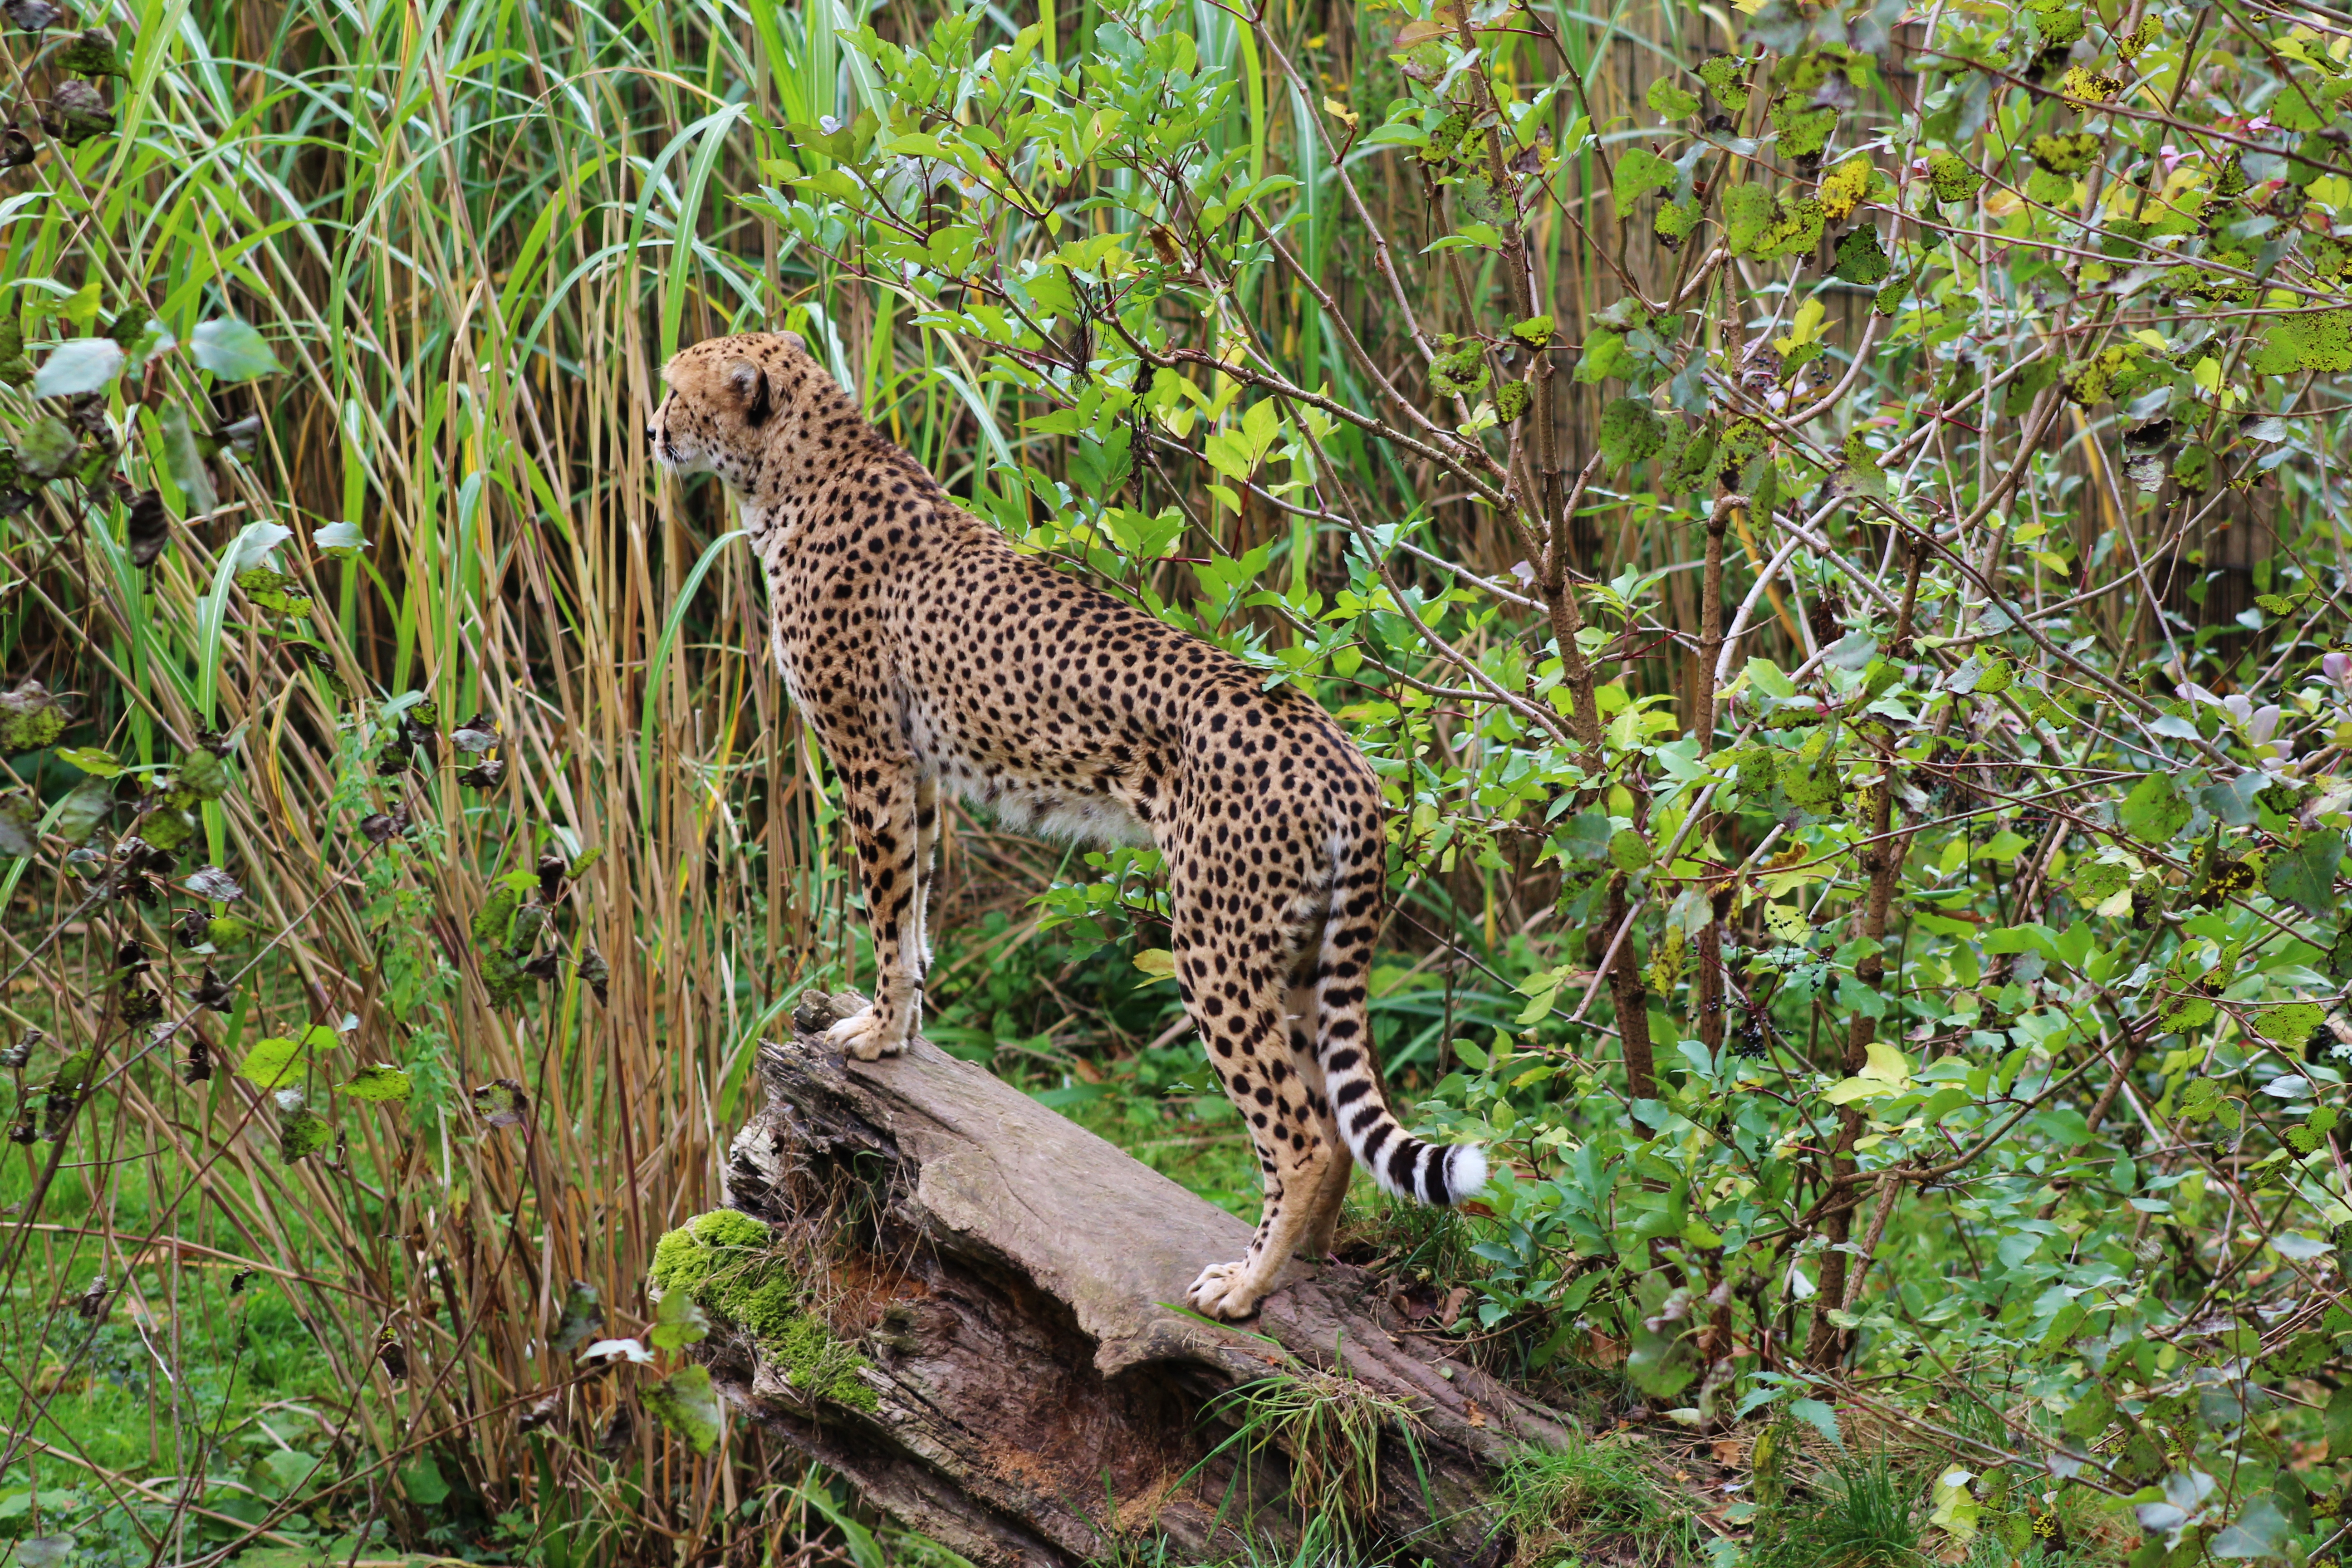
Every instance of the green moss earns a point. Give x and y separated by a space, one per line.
1796 226
723 1242
1459 374
1805 130
1950 177
31 731
2067 154
2310 340
2057 26
726 1261
2089 86
2111 375
1726 77
1859 258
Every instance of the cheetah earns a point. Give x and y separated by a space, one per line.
927 654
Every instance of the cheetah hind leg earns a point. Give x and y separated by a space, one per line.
870 1033
1299 1176
1323 1204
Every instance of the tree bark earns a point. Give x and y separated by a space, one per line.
1010 1278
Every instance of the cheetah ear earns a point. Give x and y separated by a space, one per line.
750 383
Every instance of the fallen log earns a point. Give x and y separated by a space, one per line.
1007 1374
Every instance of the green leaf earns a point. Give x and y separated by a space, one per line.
2305 875
274 1063
1746 210
301 1132
1630 432
1628 850
2286 1028
2154 812
90 54
185 465
1603 356
85 364
1536 331
378 1083
1724 76
1640 171
231 349
2257 1531
1767 677
685 1403
2184 1013
1585 837
677 1322
90 760
1950 175
1819 1416
203 774
420 1477
1861 259
1671 102
48 448
2338 1424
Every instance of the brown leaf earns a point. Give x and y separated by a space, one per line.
1453 1302
501 1102
392 1355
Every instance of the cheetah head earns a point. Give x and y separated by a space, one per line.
725 398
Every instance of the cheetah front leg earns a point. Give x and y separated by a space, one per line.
881 799
927 868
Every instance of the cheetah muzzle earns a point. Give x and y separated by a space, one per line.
925 651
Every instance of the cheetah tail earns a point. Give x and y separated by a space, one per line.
1401 1164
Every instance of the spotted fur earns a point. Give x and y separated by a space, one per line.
926 652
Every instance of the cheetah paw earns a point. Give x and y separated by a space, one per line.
868 1034
1223 1291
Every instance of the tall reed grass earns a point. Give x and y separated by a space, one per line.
470 232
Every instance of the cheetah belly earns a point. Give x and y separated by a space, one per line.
1055 807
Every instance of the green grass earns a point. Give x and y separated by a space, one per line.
1605 1496
1866 1512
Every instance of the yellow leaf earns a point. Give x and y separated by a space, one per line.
1779 883
1437 25
1843 191
1786 924
2000 204
1885 1063
1157 962
1807 327
1337 109
1956 1506
1845 1092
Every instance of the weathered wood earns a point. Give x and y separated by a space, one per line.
1038 1400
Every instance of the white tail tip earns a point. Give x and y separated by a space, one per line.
1466 1171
